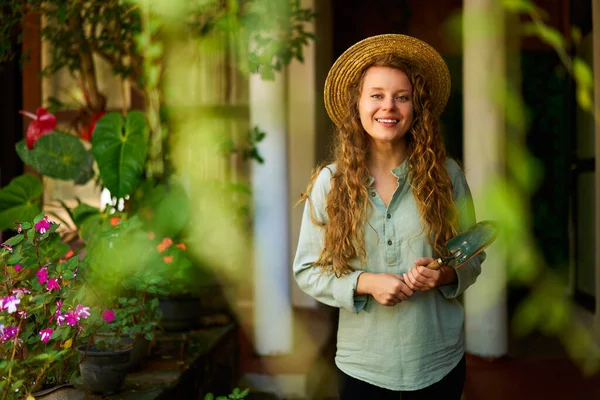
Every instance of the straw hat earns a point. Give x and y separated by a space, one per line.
348 66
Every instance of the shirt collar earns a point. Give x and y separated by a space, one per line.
399 172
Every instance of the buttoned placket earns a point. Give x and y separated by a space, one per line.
392 253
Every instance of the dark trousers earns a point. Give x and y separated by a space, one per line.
449 388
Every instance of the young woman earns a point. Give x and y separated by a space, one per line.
378 214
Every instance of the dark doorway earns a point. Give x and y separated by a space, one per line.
12 126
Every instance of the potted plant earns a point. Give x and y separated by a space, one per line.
178 280
124 304
40 315
114 343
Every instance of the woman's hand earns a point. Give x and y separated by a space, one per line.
420 278
386 289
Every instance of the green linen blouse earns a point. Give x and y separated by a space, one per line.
417 342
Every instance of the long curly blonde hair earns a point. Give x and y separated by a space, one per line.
347 203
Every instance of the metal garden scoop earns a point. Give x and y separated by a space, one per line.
468 244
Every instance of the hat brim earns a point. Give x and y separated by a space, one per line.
348 67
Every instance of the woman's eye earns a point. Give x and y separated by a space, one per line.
376 96
402 98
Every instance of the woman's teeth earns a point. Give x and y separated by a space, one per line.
387 121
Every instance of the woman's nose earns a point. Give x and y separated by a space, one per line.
388 103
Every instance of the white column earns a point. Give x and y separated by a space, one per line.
272 299
484 78
302 128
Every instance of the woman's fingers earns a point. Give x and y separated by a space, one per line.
416 281
421 278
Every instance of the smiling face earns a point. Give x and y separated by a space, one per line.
385 105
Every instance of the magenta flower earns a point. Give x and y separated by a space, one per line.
18 267
58 304
60 318
108 315
43 225
52 284
45 334
42 275
7 247
22 314
82 312
71 318
19 229
10 304
8 332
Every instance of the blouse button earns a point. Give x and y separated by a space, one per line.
372 194
389 242
389 216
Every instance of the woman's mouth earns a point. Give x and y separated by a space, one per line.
387 121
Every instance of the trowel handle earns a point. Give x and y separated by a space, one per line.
436 264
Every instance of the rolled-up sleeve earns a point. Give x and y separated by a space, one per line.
325 287
467 274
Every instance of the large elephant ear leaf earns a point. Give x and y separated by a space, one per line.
119 146
20 201
56 155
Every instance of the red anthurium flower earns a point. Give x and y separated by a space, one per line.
87 134
43 123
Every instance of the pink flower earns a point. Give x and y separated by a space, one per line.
22 314
8 332
6 247
58 304
18 267
108 315
60 319
71 318
82 312
45 334
19 229
20 292
42 275
43 124
52 284
43 225
10 304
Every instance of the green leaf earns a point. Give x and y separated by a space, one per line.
518 6
584 99
20 200
119 146
15 240
57 155
68 275
546 33
209 396
87 169
72 262
583 73
82 212
15 259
